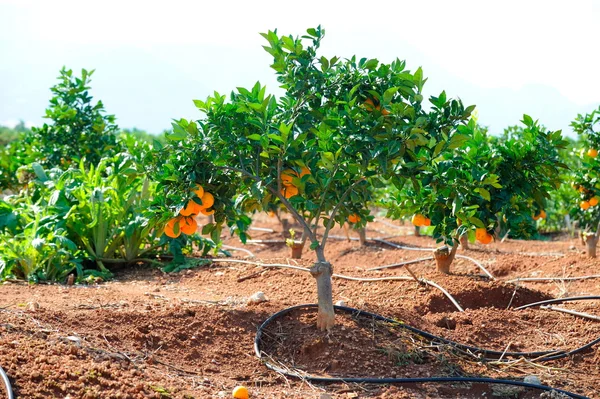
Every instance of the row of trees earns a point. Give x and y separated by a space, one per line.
346 135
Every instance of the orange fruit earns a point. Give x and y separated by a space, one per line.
207 200
426 222
192 208
188 225
385 112
486 239
287 177
584 205
289 191
199 191
354 218
369 105
304 171
170 228
541 215
592 153
581 189
240 392
593 201
206 212
418 219
480 233
272 214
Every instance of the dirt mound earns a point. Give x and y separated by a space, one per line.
486 295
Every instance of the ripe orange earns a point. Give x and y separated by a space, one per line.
369 105
192 208
207 200
206 212
481 233
289 191
486 239
354 218
199 191
304 171
584 205
418 219
426 222
272 214
170 228
188 225
287 177
240 392
592 153
593 201
541 215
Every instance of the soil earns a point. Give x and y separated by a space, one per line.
148 334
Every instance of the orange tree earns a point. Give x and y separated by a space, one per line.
586 178
482 185
320 151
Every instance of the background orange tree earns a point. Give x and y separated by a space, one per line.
487 185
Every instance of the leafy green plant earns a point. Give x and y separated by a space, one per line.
105 210
342 129
79 129
31 248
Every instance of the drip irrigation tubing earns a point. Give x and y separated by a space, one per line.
559 300
541 356
6 382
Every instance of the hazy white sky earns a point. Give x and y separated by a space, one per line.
152 58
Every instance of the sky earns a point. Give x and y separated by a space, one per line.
152 58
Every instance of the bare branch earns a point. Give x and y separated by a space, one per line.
283 200
335 209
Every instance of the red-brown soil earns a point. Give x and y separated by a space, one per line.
191 334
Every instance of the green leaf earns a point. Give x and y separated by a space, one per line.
477 222
485 194
457 140
371 64
389 94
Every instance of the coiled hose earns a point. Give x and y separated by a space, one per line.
6 382
486 353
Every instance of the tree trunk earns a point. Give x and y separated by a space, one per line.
464 241
322 271
591 241
362 236
285 225
444 257
417 231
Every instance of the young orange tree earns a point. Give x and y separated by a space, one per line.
483 184
586 179
342 129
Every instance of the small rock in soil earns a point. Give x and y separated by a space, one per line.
340 303
325 396
532 379
257 297
33 306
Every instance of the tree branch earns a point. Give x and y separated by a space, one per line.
283 200
335 209
318 214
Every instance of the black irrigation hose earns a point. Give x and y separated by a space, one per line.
6 382
559 300
475 350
